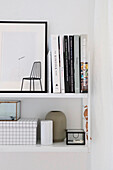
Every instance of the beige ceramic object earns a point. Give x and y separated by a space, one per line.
59 125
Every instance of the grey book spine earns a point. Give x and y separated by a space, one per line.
77 63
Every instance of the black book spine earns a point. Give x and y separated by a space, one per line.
59 50
80 62
71 72
51 81
69 66
66 67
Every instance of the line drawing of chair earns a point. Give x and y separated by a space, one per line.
34 75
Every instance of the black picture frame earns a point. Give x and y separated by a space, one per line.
45 77
72 132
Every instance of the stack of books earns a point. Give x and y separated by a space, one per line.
21 132
68 64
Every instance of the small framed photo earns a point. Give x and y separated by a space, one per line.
23 53
75 137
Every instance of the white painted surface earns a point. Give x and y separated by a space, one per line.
43 95
56 147
102 94
64 17
43 161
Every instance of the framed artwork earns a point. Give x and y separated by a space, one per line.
23 55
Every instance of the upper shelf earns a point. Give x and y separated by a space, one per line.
43 95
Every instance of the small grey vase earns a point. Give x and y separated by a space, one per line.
59 125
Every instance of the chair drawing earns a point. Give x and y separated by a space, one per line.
34 75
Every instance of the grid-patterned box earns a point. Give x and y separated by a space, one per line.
21 132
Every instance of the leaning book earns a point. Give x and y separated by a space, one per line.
83 64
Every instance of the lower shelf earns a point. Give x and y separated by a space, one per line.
56 147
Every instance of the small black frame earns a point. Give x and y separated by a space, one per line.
74 132
31 22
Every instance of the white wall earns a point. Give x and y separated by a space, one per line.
62 16
102 91
43 161
71 16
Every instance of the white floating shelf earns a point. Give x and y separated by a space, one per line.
57 147
43 95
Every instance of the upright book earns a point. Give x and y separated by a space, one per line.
49 72
76 64
71 64
61 63
84 64
66 66
55 64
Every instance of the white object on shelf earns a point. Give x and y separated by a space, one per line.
46 132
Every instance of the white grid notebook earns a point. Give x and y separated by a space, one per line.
21 132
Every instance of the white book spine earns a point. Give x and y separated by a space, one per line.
55 64
83 47
76 64
49 71
62 85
